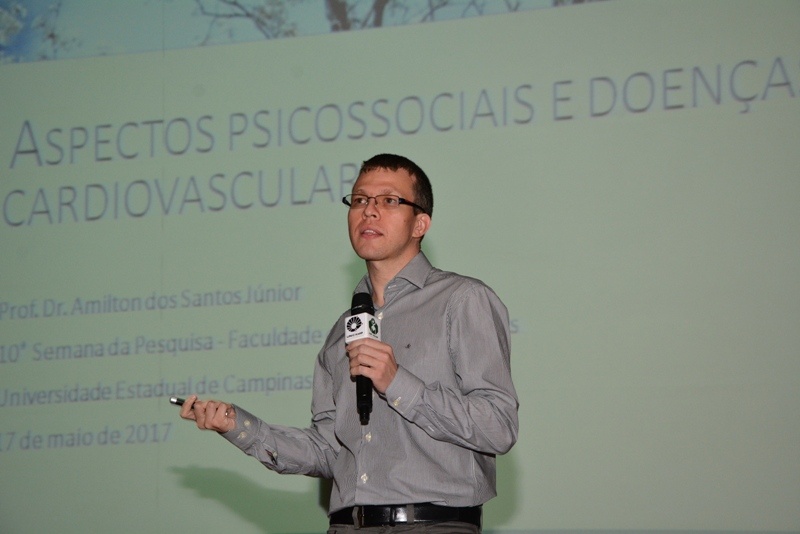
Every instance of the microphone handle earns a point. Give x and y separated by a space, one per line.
362 303
363 398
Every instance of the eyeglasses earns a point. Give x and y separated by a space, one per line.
387 202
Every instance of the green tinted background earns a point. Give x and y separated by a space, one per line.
623 174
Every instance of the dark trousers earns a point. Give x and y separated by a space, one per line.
418 528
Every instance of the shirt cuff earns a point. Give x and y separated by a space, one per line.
404 392
245 433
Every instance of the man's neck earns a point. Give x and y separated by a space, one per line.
381 273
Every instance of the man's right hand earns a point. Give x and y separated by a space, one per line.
209 415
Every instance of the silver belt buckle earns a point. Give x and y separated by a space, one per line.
359 517
399 515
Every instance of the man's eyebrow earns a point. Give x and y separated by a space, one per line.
384 191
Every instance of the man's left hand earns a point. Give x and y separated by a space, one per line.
373 359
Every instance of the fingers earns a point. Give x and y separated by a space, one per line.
363 357
187 411
372 359
209 415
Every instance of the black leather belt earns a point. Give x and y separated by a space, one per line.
376 516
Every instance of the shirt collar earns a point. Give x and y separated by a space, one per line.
416 271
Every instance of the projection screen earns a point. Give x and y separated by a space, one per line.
622 173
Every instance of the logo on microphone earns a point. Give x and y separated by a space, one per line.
361 326
355 323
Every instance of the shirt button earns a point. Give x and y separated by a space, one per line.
380 315
364 478
368 437
396 402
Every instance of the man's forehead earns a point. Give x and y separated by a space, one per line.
385 179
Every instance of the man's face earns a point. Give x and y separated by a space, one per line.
381 234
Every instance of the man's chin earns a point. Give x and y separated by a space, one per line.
368 255
365 250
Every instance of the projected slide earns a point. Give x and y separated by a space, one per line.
623 174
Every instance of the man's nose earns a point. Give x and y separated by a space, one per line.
371 209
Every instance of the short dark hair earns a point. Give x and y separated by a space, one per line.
423 192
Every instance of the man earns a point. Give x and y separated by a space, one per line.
444 402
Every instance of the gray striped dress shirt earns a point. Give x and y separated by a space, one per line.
449 410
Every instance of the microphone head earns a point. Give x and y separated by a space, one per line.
362 303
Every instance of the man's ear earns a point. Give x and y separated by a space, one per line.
421 225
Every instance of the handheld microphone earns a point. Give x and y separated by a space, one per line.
362 324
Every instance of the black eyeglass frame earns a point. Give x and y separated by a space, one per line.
400 200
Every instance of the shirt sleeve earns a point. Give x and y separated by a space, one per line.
282 449
308 451
482 413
